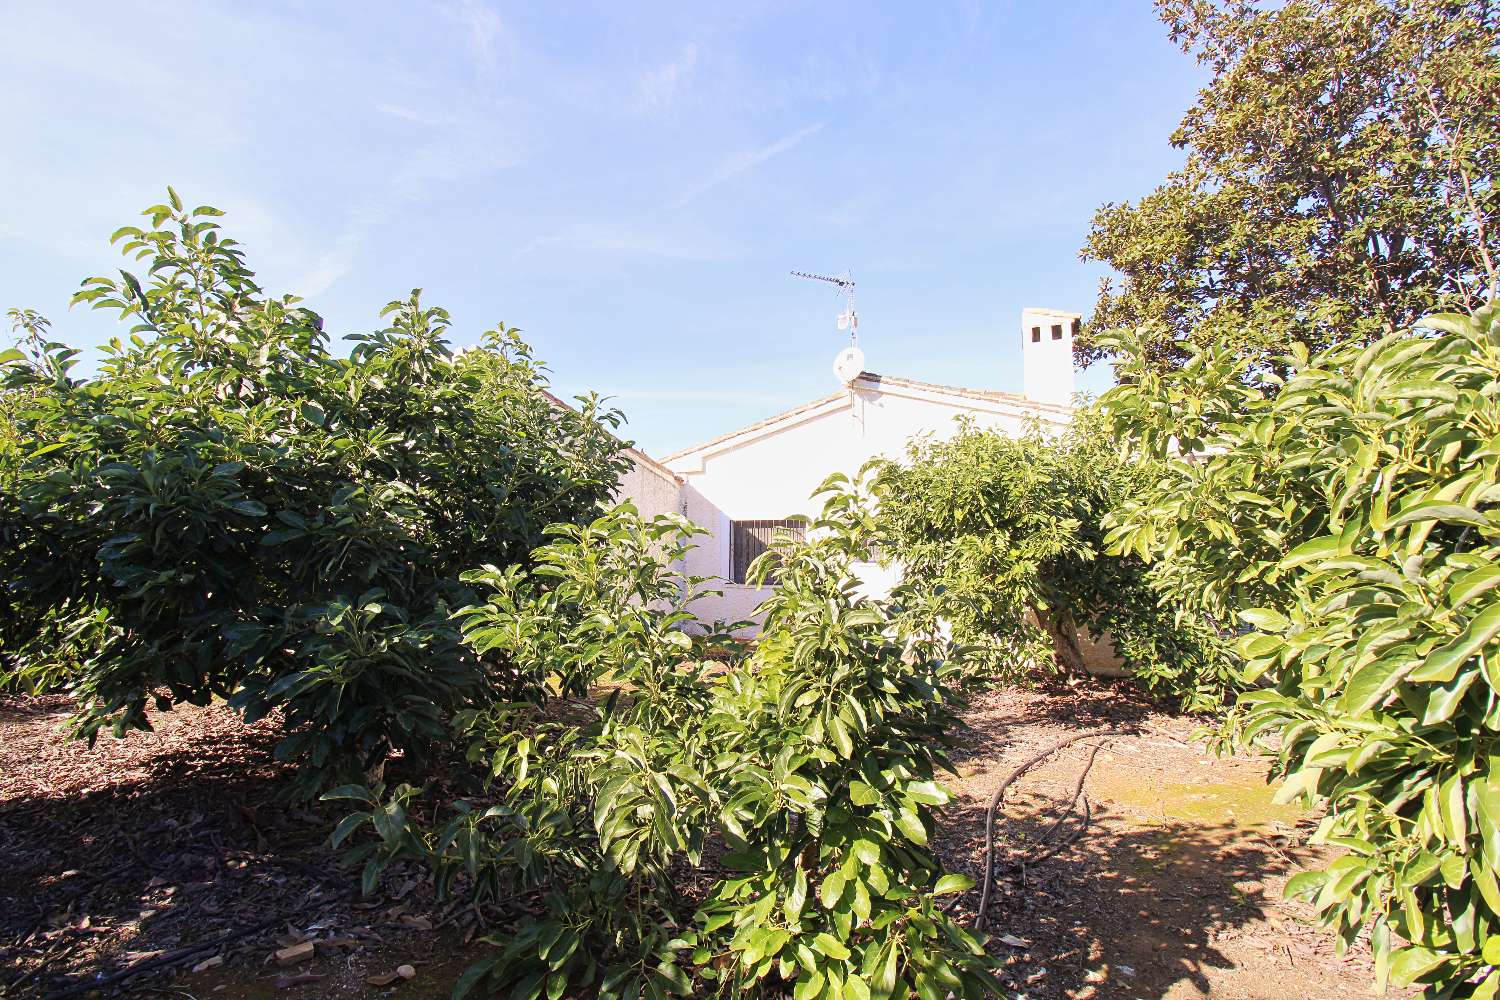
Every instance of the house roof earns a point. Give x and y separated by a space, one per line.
883 382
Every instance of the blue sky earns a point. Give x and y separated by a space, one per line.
628 183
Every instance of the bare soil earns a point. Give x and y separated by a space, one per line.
143 846
1175 888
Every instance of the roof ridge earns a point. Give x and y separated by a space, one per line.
757 425
991 395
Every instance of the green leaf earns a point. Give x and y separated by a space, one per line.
1313 550
1471 584
832 890
1443 663
927 792
1411 963
952 882
1265 619
1439 510
862 794
1443 700
472 976
796 897
346 826
827 944
911 825
1372 682
840 734
358 793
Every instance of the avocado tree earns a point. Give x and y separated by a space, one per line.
1348 513
229 509
1001 541
795 780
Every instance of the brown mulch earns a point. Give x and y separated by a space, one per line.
176 837
162 840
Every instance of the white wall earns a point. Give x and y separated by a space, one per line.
711 558
652 488
771 473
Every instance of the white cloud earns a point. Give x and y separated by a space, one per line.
417 117
615 238
742 162
658 87
484 27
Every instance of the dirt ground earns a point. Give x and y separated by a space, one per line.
1174 891
142 847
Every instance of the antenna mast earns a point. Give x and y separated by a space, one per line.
844 285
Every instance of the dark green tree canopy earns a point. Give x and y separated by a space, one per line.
1338 180
230 508
1002 541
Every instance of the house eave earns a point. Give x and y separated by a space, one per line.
999 402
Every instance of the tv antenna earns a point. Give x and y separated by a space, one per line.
844 285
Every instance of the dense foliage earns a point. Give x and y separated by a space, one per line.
751 828
1350 512
228 509
1003 543
1338 179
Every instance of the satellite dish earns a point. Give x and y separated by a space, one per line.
849 364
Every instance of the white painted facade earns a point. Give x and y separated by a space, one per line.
651 486
1047 354
767 471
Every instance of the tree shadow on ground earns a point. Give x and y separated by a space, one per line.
1129 910
175 844
1090 705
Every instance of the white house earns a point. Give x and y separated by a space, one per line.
743 485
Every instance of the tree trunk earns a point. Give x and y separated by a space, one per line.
1064 636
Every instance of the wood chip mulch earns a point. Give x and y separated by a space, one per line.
140 847
143 846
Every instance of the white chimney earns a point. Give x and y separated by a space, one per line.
1047 355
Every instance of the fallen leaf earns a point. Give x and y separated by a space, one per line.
383 979
209 963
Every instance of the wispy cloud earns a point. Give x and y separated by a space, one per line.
746 161
485 29
702 396
658 87
413 182
411 115
615 238
646 238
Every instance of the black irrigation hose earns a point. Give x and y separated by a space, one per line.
1063 844
1062 816
982 918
